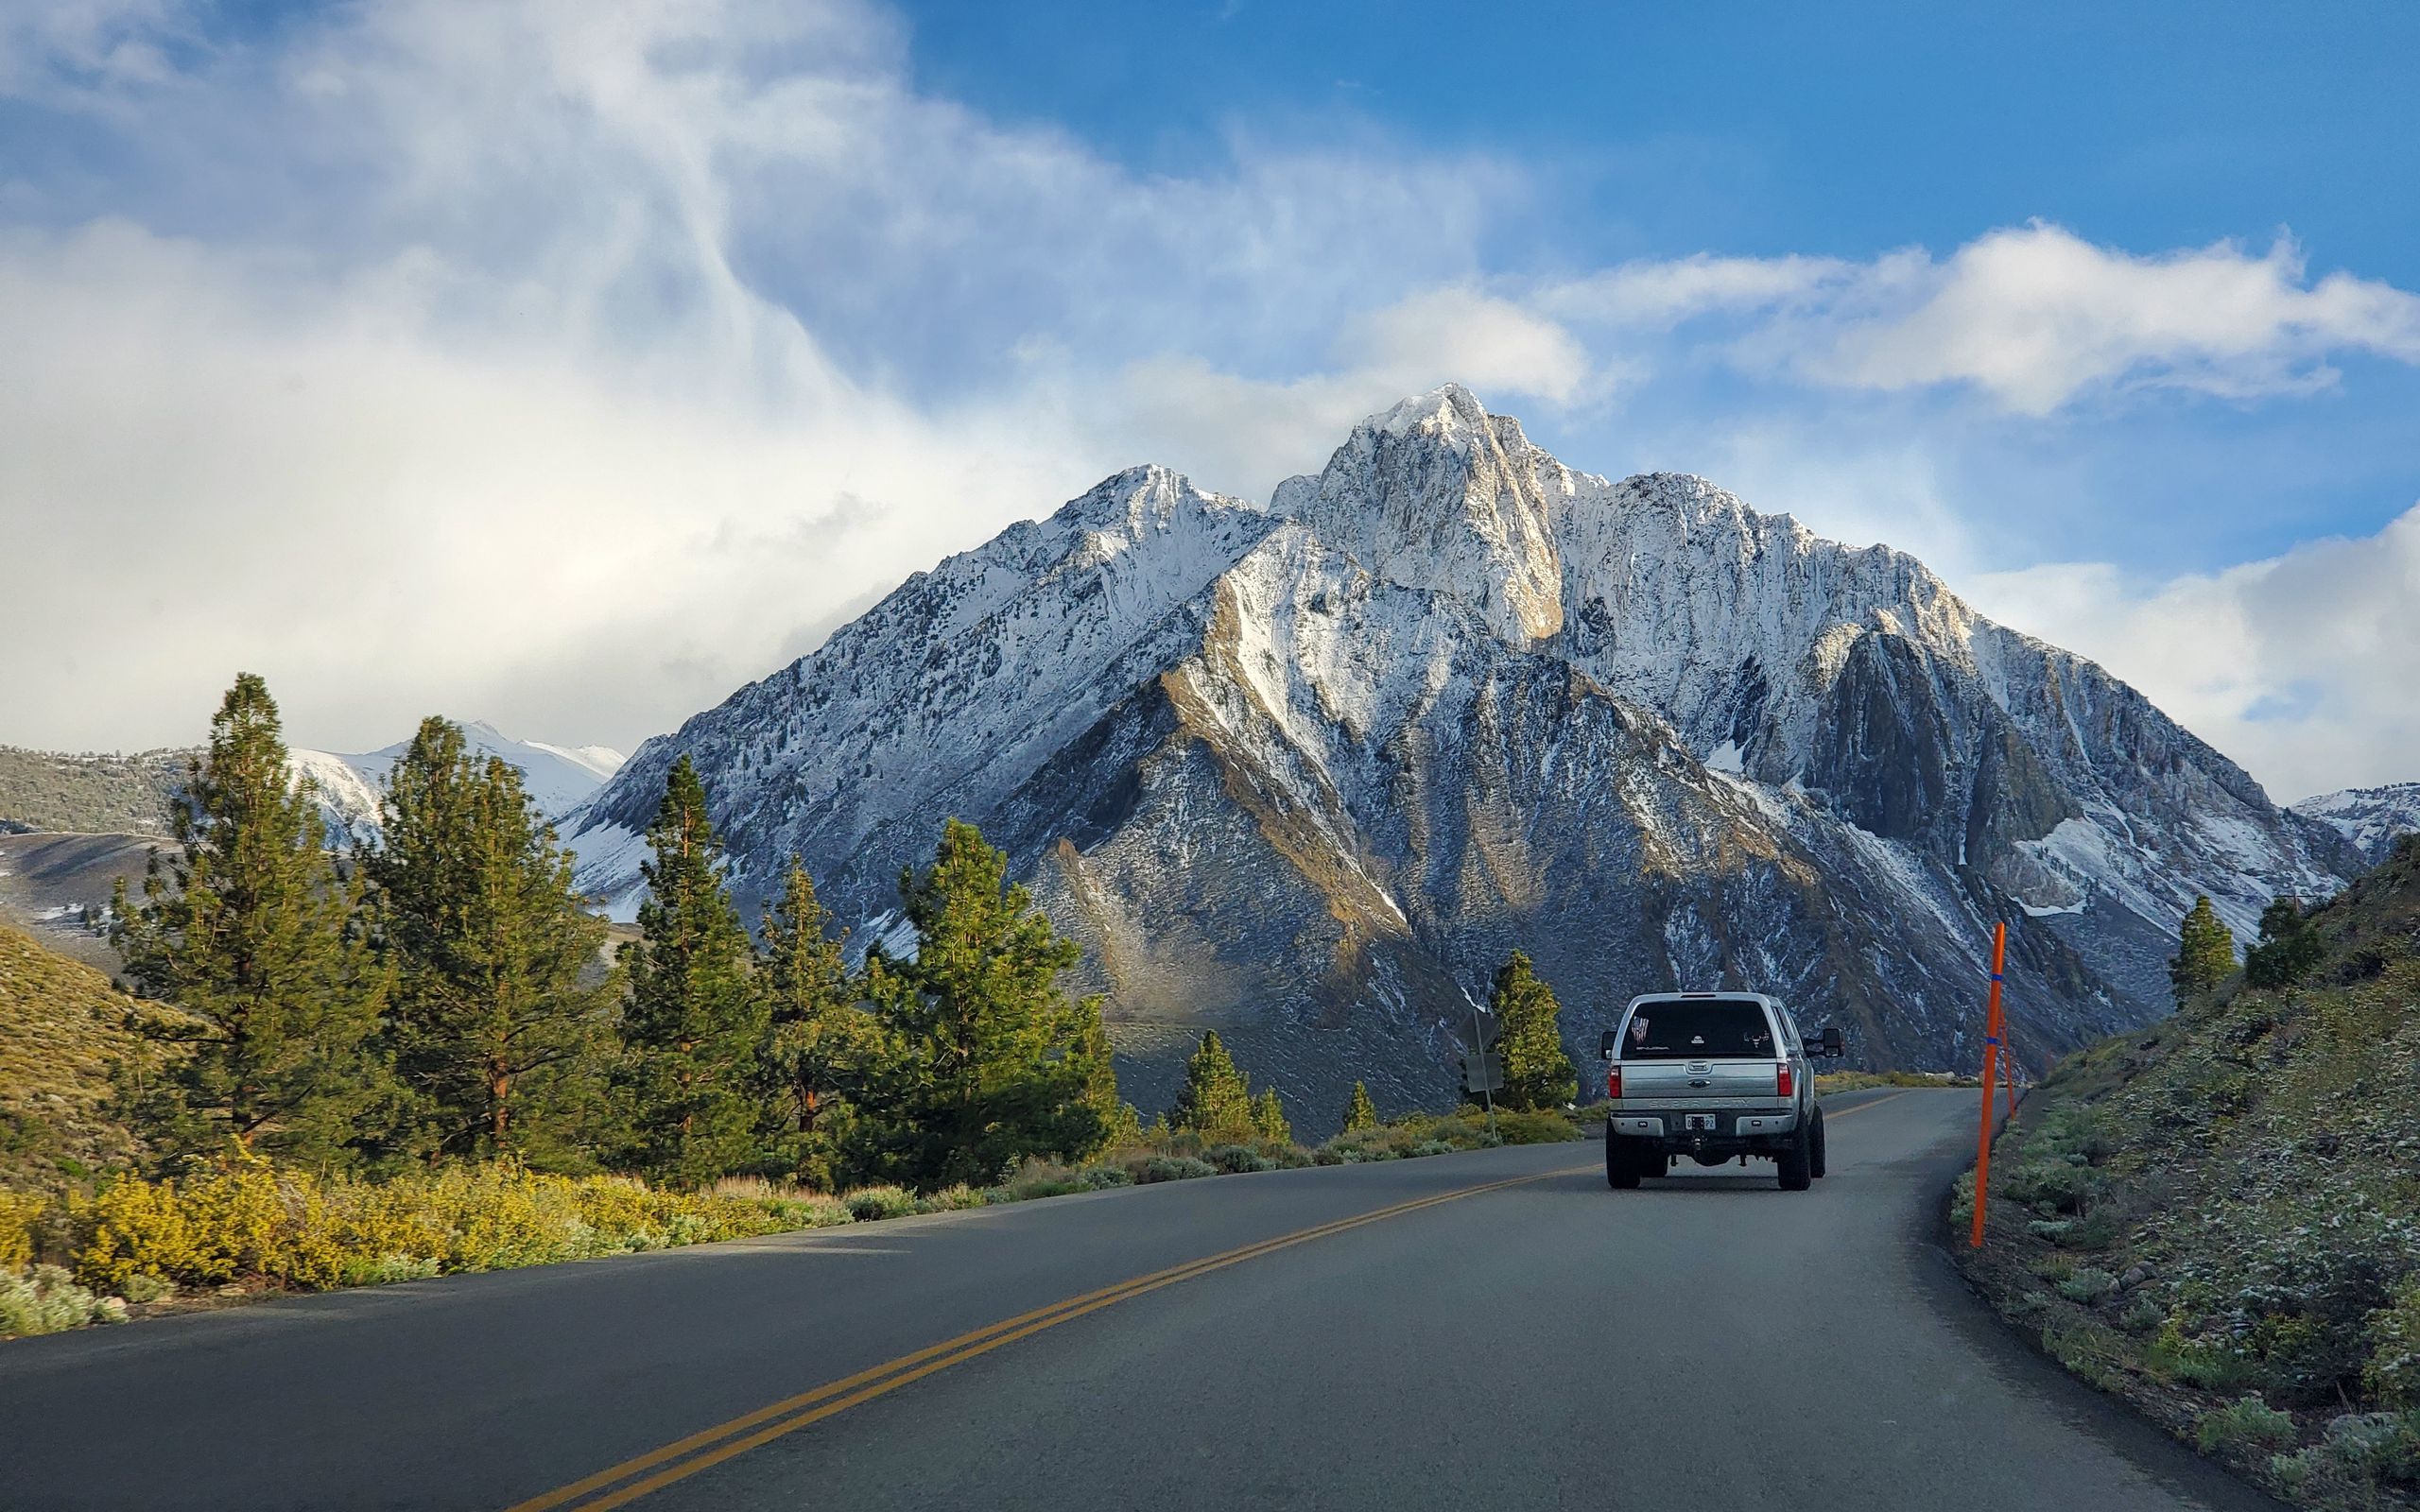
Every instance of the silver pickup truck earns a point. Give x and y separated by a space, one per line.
1714 1077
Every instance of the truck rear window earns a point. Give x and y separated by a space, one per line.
1715 1029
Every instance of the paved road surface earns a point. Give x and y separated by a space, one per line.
1503 1332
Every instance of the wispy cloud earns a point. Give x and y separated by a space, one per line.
2032 318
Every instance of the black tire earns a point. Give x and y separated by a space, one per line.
1621 1167
1797 1161
1815 1154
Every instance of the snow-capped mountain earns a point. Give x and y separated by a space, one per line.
2368 818
556 778
1309 770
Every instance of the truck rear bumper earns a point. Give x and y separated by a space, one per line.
1698 1124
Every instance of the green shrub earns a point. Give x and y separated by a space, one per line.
2190 1361
1545 1127
2375 1446
1170 1168
45 1299
2089 1285
1233 1159
2050 1186
2392 1372
2246 1427
149 1289
870 1203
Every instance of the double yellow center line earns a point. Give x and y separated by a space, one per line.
652 1472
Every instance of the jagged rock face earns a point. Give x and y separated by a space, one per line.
1308 772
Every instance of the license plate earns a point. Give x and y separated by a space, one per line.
1693 1122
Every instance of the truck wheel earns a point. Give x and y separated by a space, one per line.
1621 1168
1796 1162
1815 1156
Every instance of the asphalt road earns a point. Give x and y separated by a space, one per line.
1495 1327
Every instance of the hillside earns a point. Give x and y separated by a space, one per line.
43 790
65 1032
2220 1217
1306 770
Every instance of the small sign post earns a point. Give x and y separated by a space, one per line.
1991 1083
1483 1069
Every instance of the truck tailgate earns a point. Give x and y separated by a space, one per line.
1647 1084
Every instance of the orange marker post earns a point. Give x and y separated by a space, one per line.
1991 1083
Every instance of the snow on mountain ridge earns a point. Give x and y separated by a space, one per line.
1306 771
556 778
2368 817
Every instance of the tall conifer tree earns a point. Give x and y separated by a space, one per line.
1214 1104
1537 1072
820 1047
494 1034
2205 955
1269 1117
694 1022
995 1062
1361 1113
254 931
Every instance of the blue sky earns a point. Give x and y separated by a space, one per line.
572 364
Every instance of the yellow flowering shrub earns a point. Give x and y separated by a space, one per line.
248 1221
17 1211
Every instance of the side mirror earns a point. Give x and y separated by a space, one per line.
1836 1045
1605 1043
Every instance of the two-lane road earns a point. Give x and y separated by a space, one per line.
1495 1326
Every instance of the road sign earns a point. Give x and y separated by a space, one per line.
1483 1072
1488 1027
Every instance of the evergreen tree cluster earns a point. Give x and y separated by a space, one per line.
443 994
2289 946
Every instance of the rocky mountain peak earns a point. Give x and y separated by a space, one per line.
1438 495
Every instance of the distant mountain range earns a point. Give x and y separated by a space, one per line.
556 778
71 824
2368 817
1306 770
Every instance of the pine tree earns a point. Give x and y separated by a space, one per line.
254 930
1214 1104
494 1033
1361 1113
1537 1072
694 1022
822 1047
2205 952
995 1063
2289 947
1268 1118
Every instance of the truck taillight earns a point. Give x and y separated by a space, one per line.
1782 1083
1612 1081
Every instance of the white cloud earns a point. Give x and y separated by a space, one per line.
1243 435
2036 317
2300 666
571 364
1662 294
